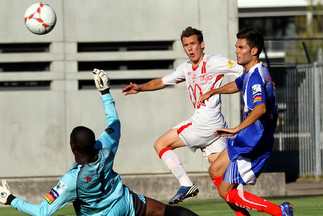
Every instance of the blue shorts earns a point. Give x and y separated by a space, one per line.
245 170
248 152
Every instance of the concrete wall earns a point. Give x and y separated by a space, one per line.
268 185
35 124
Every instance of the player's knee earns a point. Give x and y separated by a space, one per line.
159 146
214 170
222 193
212 157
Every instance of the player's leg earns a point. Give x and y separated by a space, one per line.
216 171
156 208
243 171
164 147
219 166
170 139
248 200
212 157
213 150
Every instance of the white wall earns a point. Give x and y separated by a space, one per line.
35 124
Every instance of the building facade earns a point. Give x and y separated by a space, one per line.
46 87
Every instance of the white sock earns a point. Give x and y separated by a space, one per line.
174 164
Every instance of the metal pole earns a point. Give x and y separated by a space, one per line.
306 52
317 116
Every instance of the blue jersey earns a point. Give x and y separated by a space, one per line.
94 188
257 139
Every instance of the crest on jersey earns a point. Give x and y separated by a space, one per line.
230 64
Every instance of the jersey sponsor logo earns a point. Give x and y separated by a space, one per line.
257 99
230 64
51 196
205 78
109 130
55 192
256 93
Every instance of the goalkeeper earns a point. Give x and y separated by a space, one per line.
91 184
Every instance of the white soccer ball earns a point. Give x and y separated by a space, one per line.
40 18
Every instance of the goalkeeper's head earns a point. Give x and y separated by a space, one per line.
82 140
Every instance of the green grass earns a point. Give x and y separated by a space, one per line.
304 206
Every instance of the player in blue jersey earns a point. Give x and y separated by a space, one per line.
250 143
91 184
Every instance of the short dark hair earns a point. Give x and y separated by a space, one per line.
84 140
189 31
254 38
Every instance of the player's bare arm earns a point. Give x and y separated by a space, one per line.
132 88
254 115
229 88
152 85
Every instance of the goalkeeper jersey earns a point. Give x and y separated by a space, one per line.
94 188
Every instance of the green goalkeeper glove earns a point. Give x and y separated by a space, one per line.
5 193
101 79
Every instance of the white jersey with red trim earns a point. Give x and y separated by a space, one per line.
207 76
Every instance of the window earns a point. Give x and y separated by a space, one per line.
124 46
24 47
122 65
18 66
25 67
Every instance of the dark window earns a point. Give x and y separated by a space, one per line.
25 67
271 27
24 47
124 46
115 83
126 65
25 85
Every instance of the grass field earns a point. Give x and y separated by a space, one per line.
303 206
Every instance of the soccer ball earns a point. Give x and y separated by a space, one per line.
40 18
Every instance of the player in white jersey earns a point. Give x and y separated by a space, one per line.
201 79
201 73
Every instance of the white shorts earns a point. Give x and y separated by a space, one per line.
197 135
